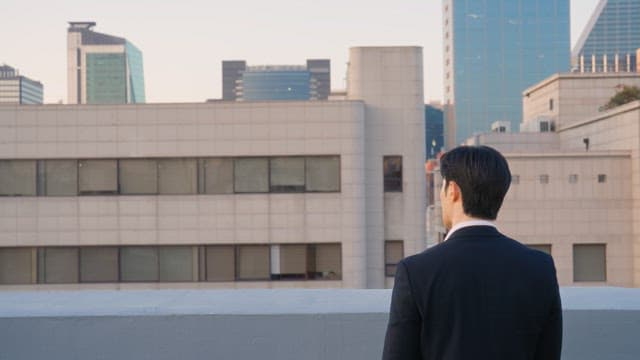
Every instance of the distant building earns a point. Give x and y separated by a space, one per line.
101 68
276 82
434 130
611 39
18 89
493 50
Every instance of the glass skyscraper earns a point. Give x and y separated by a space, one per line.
493 50
102 69
276 82
611 39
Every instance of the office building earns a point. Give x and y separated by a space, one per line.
575 186
611 40
101 68
434 130
18 89
493 50
222 194
276 82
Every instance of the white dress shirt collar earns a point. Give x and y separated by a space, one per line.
474 222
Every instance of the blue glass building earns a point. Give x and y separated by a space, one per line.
493 50
103 69
276 82
434 130
610 41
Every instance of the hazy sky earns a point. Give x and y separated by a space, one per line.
183 42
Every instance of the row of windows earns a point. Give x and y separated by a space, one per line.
113 264
589 261
544 179
169 176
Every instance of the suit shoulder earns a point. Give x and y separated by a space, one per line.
430 255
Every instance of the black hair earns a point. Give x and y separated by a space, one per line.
482 174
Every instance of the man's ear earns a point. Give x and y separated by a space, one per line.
454 191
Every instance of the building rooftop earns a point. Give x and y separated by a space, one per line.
599 323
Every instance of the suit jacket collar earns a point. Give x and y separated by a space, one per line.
475 231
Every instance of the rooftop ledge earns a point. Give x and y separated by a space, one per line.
599 323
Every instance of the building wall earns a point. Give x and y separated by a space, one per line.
389 81
563 214
576 97
190 130
616 129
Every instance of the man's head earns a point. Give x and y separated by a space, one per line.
475 181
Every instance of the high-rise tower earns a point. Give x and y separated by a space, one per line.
101 68
493 50
611 39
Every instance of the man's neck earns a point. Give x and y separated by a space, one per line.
468 221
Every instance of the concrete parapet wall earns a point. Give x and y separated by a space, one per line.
600 323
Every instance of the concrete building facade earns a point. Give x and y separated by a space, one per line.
18 89
101 68
251 194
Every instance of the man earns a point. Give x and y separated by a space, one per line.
479 294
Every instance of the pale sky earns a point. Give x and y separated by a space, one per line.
183 42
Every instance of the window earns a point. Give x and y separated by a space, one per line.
61 265
177 176
98 264
251 175
544 179
515 179
98 177
324 261
61 177
16 266
253 262
544 126
287 174
292 262
573 178
392 166
18 177
602 178
176 263
323 173
218 176
550 104
393 253
139 263
589 262
138 176
220 263
545 248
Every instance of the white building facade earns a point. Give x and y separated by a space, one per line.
225 194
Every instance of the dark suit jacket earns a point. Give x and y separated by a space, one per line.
479 295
